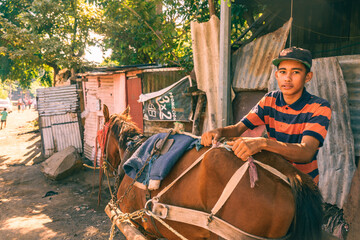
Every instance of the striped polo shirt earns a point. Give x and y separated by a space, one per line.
309 115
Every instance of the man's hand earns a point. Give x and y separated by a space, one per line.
244 147
210 136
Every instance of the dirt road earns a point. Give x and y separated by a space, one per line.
25 211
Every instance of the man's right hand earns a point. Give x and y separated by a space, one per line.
210 137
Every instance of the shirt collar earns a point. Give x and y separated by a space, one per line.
299 104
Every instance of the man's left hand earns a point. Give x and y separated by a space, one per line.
244 147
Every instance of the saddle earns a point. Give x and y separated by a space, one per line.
155 158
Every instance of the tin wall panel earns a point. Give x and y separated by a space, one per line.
58 109
336 159
99 90
206 44
156 80
251 64
350 66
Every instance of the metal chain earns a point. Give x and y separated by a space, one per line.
126 217
133 182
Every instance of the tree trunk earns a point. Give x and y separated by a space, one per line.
56 71
211 7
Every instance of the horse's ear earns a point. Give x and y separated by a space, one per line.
106 113
126 112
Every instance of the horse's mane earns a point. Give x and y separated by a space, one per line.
123 128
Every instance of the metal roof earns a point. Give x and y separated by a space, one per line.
251 63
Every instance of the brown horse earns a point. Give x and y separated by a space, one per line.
272 209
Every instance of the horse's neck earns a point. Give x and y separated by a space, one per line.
133 144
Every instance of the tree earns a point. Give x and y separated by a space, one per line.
137 32
152 31
52 32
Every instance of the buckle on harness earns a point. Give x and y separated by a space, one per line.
159 209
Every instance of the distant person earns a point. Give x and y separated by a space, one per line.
29 102
23 104
19 104
26 101
4 115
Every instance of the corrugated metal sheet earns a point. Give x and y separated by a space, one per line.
156 80
336 158
58 109
251 63
57 100
100 90
350 66
205 44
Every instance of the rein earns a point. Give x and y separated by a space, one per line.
131 147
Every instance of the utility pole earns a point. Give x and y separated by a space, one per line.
224 103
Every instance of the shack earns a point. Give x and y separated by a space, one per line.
119 87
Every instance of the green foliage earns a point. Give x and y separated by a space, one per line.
51 32
152 31
3 93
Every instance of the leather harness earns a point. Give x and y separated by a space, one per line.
209 221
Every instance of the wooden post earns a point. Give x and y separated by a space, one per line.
129 231
197 116
224 103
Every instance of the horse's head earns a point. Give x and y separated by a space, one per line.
121 130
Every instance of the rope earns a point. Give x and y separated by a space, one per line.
108 181
112 230
167 225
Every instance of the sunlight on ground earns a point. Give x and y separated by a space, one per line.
91 231
26 224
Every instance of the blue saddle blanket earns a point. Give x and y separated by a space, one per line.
159 166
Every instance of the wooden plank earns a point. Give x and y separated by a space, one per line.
129 231
197 116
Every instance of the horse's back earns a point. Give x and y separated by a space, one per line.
266 210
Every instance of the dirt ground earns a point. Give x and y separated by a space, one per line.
25 211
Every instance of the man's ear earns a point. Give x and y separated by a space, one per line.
308 77
126 112
276 73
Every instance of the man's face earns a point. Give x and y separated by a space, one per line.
291 77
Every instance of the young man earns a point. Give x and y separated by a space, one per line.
296 121
3 118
